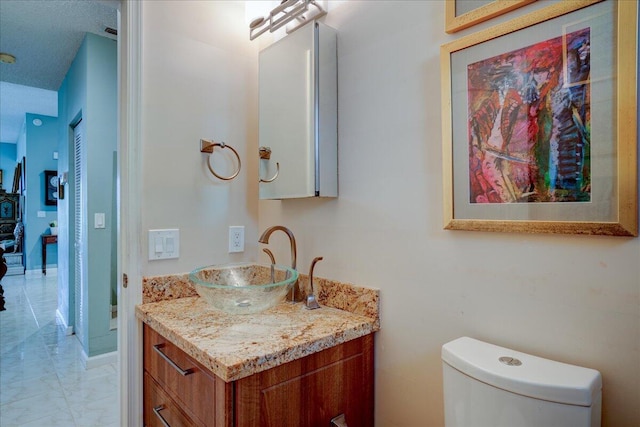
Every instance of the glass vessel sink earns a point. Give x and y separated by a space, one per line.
244 288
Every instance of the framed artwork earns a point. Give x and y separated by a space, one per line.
461 14
23 176
51 188
540 123
8 210
17 176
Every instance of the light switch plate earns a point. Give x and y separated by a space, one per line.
99 220
164 244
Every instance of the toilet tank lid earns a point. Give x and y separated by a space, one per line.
536 377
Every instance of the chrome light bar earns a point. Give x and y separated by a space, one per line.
302 10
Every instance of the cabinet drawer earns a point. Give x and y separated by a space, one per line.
309 392
159 409
203 396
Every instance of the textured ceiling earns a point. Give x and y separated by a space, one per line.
44 36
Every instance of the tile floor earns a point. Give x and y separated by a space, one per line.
42 380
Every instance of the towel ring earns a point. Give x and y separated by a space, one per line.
207 146
274 176
265 154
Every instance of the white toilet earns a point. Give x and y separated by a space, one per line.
490 386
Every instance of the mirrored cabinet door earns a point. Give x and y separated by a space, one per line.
298 115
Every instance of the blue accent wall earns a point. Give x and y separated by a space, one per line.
89 92
41 142
71 100
8 164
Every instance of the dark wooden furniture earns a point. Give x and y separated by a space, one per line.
9 214
11 232
47 239
307 392
3 271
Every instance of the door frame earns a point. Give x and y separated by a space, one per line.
129 221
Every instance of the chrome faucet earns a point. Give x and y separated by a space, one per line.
264 238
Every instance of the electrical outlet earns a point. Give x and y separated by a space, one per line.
236 238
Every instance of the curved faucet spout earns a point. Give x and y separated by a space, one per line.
264 238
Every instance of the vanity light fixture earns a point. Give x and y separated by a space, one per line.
302 11
7 58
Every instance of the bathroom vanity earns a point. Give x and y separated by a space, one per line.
287 366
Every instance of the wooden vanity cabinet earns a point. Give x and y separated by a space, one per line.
160 409
307 392
203 398
311 391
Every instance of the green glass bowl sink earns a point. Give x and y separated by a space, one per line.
244 288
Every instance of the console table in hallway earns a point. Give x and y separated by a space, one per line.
46 240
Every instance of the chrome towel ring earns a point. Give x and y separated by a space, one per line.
207 146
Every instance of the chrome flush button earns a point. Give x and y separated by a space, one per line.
511 361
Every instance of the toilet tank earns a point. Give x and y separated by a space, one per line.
490 386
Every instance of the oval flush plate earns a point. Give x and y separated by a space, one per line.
511 361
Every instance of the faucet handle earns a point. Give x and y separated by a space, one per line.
313 265
311 299
273 266
270 254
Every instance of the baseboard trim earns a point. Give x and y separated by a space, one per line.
37 272
99 360
68 330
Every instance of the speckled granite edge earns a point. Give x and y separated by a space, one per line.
343 296
162 288
234 347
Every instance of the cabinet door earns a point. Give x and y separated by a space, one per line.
206 398
311 391
298 115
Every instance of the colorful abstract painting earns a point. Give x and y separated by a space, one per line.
529 123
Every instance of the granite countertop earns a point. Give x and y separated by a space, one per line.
237 346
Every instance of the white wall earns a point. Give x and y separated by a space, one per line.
199 74
570 298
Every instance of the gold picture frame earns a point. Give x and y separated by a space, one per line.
612 205
455 23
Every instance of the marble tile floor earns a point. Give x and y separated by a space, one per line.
42 379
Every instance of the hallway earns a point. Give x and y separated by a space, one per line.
42 378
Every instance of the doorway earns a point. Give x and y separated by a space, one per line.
89 213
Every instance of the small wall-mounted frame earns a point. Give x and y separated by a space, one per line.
461 14
540 125
50 188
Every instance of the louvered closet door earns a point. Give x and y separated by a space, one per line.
79 276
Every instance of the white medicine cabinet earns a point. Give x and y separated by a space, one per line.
298 115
